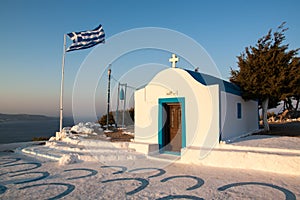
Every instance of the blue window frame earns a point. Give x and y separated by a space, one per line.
239 110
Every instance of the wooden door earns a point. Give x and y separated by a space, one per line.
174 133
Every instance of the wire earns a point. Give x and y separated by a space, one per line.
131 87
128 86
114 78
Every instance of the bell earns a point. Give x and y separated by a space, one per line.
122 94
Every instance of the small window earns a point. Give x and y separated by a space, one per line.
239 110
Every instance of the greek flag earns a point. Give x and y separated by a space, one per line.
86 39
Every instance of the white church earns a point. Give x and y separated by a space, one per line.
181 110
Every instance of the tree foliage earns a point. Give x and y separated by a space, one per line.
291 87
128 118
268 71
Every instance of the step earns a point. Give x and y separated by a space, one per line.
112 154
166 157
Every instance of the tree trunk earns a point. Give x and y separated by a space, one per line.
265 114
290 103
297 104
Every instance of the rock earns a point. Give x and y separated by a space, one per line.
89 124
80 128
75 128
57 136
69 159
73 140
222 142
66 129
51 144
63 135
52 138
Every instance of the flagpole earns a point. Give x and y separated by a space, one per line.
62 86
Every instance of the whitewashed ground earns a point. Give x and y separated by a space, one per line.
23 177
267 141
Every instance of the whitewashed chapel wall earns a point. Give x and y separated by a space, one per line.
232 126
201 107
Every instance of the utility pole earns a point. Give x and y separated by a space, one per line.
108 96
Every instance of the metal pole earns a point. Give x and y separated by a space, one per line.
108 96
117 111
62 86
124 105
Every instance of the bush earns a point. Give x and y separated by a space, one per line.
40 139
103 120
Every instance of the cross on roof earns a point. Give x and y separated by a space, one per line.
173 60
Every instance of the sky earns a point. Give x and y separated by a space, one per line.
32 33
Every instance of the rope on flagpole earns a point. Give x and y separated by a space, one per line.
62 86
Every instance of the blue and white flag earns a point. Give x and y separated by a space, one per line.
86 39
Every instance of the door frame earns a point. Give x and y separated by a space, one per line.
161 102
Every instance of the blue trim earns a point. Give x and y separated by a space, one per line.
211 80
220 117
258 117
239 110
162 101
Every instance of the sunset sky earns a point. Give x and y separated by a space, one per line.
32 42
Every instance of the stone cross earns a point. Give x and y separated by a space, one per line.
173 60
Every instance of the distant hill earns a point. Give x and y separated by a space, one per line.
18 117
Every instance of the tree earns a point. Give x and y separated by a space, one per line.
263 71
291 87
131 113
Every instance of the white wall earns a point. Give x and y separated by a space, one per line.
201 107
231 126
146 113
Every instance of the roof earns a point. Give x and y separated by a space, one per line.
206 79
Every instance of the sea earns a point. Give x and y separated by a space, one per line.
26 130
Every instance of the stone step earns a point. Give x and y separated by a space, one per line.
56 152
163 157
